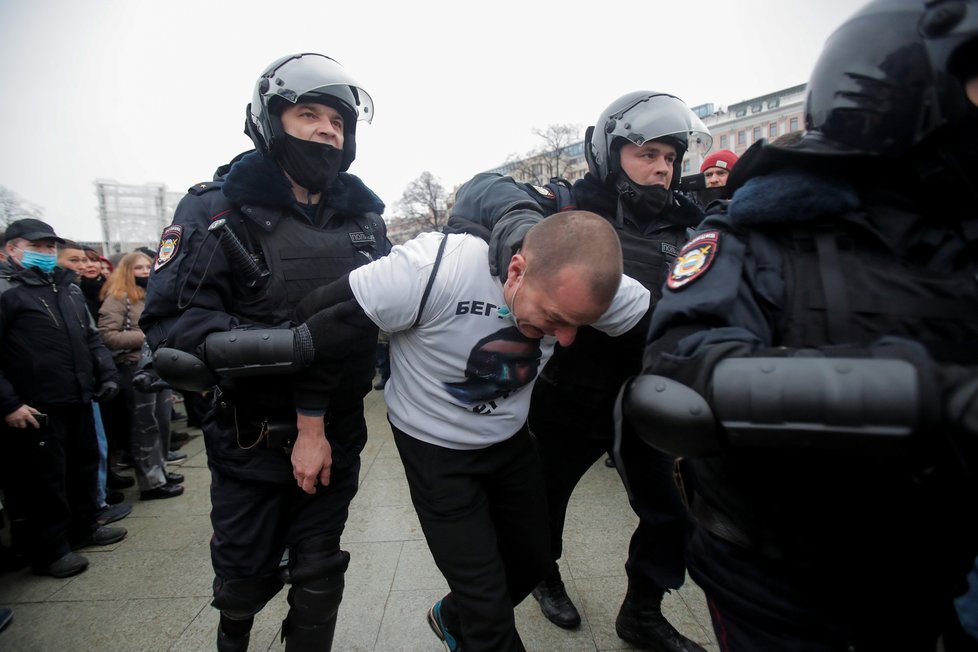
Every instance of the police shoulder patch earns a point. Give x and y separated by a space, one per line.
169 245
694 259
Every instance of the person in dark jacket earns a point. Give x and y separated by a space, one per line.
634 153
242 251
814 357
52 365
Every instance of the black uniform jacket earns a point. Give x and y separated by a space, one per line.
754 281
196 289
50 350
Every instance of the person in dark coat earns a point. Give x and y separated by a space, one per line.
814 357
52 365
242 251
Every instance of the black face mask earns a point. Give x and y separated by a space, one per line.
644 200
312 165
142 281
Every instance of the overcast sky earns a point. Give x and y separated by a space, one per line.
155 91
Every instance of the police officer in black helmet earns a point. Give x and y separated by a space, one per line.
283 440
823 330
634 153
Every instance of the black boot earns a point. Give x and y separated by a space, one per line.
238 635
227 643
641 623
554 602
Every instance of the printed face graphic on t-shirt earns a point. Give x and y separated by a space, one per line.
497 366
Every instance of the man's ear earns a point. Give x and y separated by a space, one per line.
517 266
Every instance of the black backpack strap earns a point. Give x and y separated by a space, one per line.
431 279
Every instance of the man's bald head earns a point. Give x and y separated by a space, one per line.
578 239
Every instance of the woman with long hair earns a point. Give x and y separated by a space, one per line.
123 297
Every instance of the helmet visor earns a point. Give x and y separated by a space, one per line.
656 116
316 74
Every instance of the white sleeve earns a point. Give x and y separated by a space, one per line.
389 289
626 309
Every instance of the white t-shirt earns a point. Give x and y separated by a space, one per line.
463 377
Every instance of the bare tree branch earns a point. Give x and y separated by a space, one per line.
14 208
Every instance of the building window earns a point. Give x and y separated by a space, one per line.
686 167
755 108
741 137
723 141
793 125
537 169
772 130
757 134
773 104
741 112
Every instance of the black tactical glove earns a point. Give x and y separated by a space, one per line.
507 239
147 382
107 391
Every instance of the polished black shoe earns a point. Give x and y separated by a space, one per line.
166 491
70 564
641 623
102 536
554 602
174 478
179 436
115 481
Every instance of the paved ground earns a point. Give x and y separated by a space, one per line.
152 590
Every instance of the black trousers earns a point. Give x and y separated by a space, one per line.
255 522
571 439
483 513
51 482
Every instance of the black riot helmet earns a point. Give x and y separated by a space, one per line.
891 76
308 77
889 84
639 117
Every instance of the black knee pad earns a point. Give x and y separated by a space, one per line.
240 599
314 558
316 602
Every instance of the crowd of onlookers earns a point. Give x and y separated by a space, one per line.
84 417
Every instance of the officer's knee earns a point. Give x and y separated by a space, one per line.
240 599
316 571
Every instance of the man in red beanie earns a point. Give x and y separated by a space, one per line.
716 167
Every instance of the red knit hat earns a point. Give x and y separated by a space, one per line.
723 159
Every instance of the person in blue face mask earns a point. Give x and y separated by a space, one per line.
52 365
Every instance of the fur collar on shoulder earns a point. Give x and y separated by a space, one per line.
790 195
259 180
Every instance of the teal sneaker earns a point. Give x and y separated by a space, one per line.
438 627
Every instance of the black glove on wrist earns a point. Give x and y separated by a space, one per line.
148 382
507 239
107 391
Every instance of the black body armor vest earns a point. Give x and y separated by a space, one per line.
300 258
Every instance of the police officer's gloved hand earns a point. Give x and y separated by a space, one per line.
507 239
107 391
147 381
